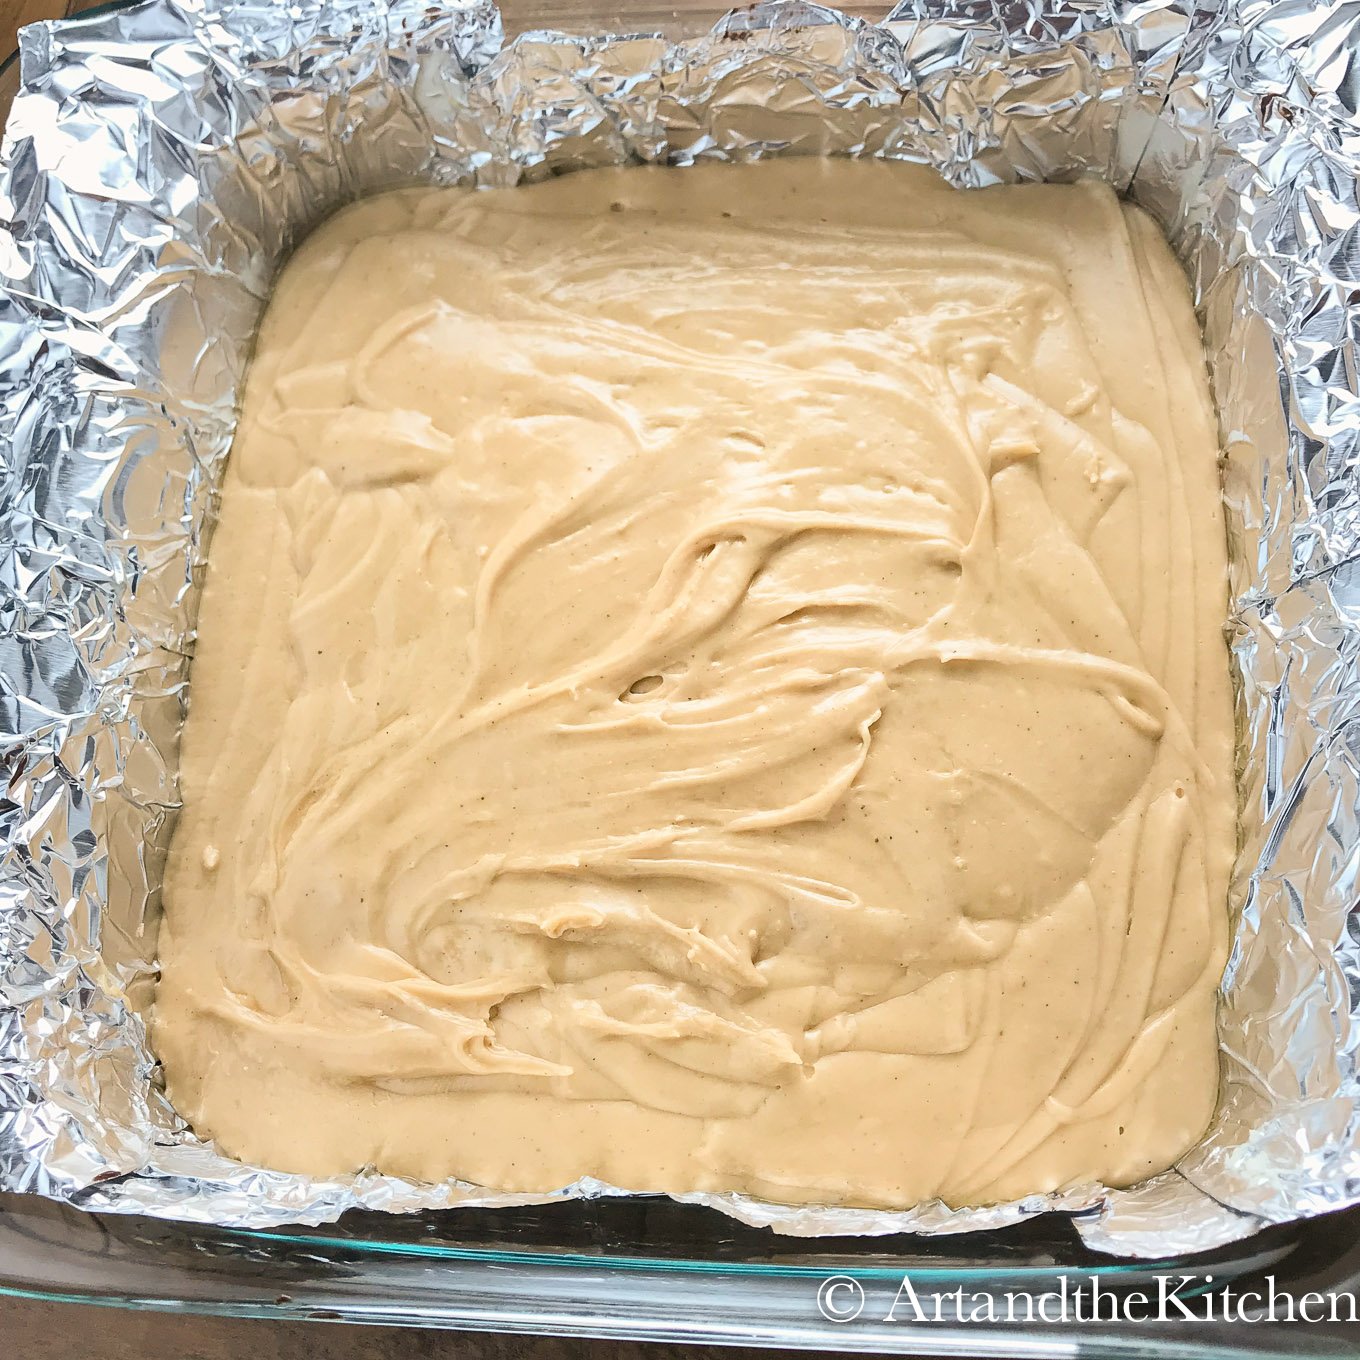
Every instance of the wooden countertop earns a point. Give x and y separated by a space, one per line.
63 1331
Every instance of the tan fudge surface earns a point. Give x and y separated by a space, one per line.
713 679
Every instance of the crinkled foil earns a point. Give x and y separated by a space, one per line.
161 162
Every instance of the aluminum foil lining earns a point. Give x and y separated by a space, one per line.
161 162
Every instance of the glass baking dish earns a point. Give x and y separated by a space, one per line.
649 1268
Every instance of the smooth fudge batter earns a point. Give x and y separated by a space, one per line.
713 679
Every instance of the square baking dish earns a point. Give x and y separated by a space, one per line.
651 1268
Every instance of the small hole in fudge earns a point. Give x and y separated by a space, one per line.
640 687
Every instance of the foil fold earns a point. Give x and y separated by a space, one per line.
161 162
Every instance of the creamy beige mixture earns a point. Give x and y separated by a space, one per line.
713 679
